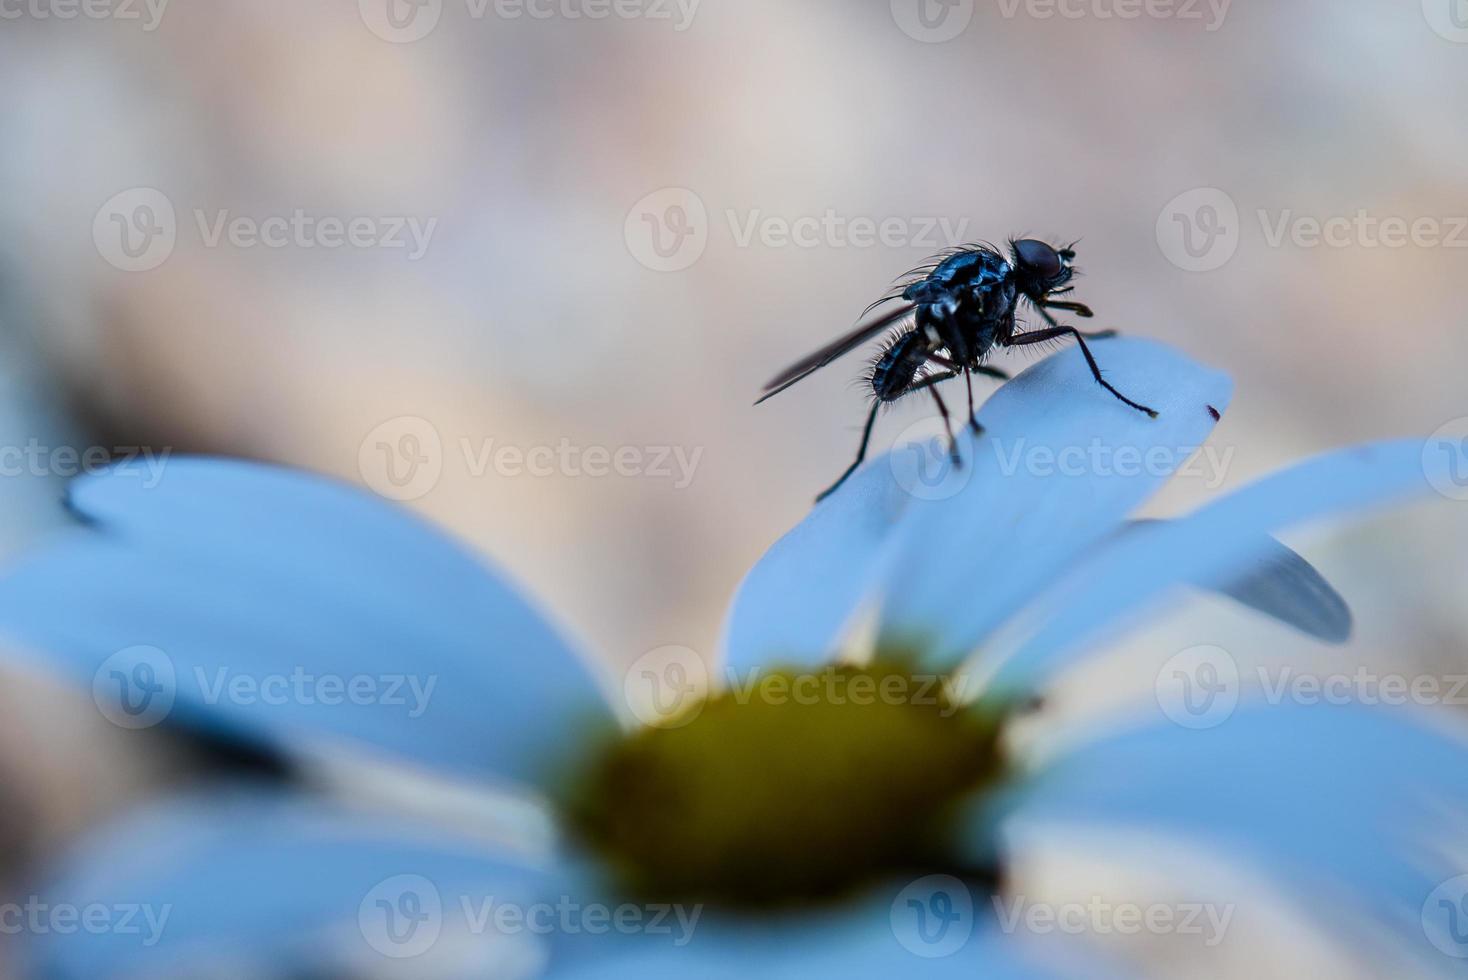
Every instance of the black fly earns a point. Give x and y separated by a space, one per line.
962 307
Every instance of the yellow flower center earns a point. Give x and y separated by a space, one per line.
796 787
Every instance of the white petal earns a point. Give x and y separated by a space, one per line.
267 886
1214 544
1061 465
955 550
1351 809
792 603
298 614
1281 584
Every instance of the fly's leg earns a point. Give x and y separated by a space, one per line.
891 378
973 419
1079 309
968 372
861 453
947 424
889 396
1040 336
988 372
1055 324
929 382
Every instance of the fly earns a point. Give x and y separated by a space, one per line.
954 313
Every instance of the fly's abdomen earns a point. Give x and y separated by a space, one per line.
895 369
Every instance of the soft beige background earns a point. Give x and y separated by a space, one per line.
530 320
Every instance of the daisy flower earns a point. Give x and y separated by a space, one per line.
457 791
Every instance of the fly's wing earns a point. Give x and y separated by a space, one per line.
841 345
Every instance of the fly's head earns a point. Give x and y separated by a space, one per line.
1041 269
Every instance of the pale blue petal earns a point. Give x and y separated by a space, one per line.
1061 465
1282 585
792 604
868 941
954 551
1215 544
1354 810
257 885
295 613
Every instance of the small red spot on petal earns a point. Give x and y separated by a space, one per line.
1214 412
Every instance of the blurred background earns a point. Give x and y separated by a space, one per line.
523 265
